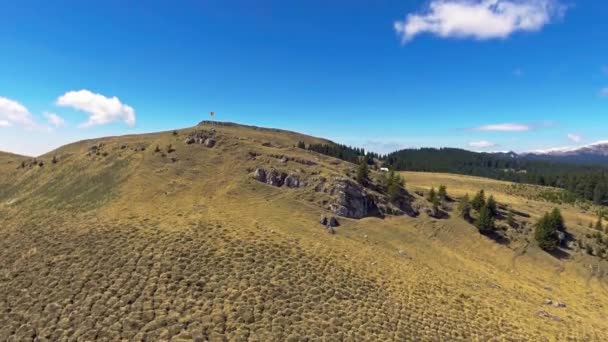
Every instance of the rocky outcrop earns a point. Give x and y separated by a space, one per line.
292 181
201 137
277 178
351 200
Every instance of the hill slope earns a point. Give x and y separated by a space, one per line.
119 239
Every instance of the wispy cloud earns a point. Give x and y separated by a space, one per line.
482 144
54 119
504 127
575 137
101 109
14 113
479 19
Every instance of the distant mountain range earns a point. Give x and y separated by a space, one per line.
596 153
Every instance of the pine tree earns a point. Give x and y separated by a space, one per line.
491 204
546 231
393 183
432 195
362 171
479 201
301 145
464 208
485 221
442 192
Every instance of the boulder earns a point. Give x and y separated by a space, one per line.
331 221
276 178
260 175
292 181
210 142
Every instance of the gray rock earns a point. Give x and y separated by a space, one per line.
210 142
276 178
351 200
329 222
292 181
260 175
561 236
333 222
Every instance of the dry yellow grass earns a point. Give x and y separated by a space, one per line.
134 245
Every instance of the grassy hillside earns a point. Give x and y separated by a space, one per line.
118 239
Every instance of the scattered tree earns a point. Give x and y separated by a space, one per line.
54 160
491 204
464 207
432 195
442 192
301 145
393 183
362 171
479 201
546 230
157 149
485 221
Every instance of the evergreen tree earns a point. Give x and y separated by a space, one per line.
393 184
464 208
362 171
546 231
491 204
442 192
479 201
432 195
485 221
557 220
301 145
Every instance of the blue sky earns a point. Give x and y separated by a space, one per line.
479 74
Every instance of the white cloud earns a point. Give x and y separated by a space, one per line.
102 110
54 119
604 92
505 127
479 19
575 137
482 144
13 112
